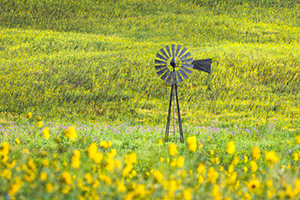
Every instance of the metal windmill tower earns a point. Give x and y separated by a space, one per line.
174 65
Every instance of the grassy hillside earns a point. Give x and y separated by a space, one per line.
95 60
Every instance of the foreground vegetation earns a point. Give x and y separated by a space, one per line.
46 160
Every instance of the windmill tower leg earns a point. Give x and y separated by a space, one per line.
179 118
169 115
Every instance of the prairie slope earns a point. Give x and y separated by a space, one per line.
95 59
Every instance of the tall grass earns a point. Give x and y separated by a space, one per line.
94 59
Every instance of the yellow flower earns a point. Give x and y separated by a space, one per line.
121 187
24 151
140 191
187 194
40 124
126 170
289 192
29 115
159 141
112 153
212 175
211 152
18 141
109 144
231 178
103 144
253 166
297 186
92 150
118 164
200 179
43 176
6 174
192 143
247 196
130 158
201 168
93 154
281 194
245 159
97 157
173 163
269 194
245 169
253 185
110 164
71 133
180 161
133 173
45 163
256 153
215 192
66 189
271 157
5 147
76 153
269 183
230 148
46 133
172 149
12 164
235 160
88 177
76 159
158 176
15 186
230 168
221 168
66 177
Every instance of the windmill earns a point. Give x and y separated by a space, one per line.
174 65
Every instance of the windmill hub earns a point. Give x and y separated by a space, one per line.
174 64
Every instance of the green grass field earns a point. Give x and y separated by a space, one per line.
90 65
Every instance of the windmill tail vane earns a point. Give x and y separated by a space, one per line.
202 65
174 65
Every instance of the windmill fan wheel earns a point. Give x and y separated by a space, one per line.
173 64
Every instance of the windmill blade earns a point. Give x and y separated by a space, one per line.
173 50
188 54
161 57
177 50
165 75
170 77
189 60
158 67
168 50
159 73
182 52
186 70
188 65
179 77
164 53
160 62
203 65
183 74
